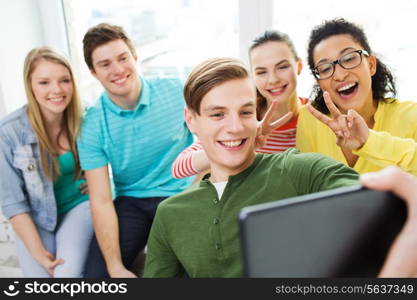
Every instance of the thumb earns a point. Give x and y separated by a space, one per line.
392 179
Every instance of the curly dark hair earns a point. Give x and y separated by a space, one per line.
269 36
383 82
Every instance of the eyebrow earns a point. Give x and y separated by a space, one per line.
217 107
48 78
340 53
108 60
277 64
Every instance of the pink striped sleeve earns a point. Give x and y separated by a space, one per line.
183 165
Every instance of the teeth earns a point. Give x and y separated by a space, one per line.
346 87
56 99
276 90
118 81
232 143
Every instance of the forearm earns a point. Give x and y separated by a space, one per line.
25 229
105 219
190 162
384 149
106 228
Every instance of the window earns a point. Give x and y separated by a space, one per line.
388 26
171 36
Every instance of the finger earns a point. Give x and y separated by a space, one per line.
343 126
53 265
281 121
49 255
320 116
392 179
352 116
330 105
340 139
270 113
56 262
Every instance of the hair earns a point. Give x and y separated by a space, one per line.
209 74
270 36
100 35
383 82
71 118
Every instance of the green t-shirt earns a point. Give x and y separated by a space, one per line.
67 193
194 232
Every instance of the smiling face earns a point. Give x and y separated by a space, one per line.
115 67
52 87
349 89
226 127
275 70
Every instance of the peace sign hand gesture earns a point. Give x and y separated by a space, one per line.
265 127
350 129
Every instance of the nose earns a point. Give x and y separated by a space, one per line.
273 78
339 73
117 68
234 124
56 87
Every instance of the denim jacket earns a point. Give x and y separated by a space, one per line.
24 187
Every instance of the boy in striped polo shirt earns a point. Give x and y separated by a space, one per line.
137 128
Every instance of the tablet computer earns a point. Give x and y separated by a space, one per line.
345 232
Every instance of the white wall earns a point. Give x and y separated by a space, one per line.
20 31
254 18
2 105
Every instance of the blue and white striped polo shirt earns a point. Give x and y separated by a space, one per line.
140 144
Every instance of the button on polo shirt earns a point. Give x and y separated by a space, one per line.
139 144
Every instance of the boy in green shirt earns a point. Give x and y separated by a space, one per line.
197 231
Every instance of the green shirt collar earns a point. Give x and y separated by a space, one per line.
206 179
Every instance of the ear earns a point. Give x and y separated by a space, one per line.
372 64
299 66
190 116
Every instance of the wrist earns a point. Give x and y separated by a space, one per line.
363 139
115 268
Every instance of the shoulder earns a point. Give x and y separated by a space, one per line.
305 115
96 109
405 108
398 112
15 117
173 82
305 118
15 123
93 114
293 158
182 201
171 86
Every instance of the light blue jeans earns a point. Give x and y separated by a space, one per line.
70 242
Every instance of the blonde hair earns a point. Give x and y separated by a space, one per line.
71 118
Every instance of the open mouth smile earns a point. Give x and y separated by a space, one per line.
348 90
233 144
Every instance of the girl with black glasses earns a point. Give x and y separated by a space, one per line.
354 117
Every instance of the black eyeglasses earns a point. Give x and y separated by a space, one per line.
346 61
